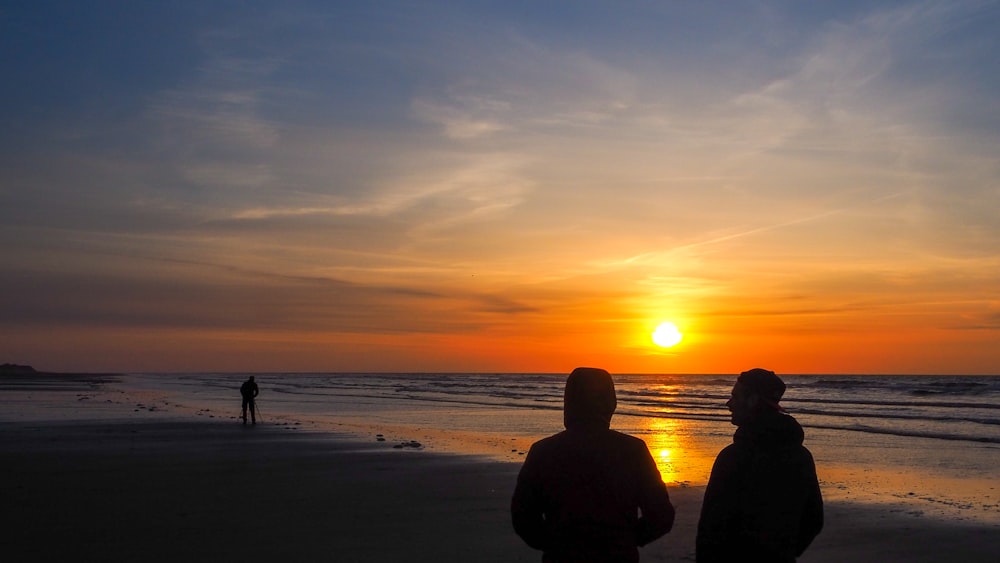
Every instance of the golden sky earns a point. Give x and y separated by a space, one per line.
521 187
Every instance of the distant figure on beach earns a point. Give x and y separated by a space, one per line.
590 493
249 391
763 502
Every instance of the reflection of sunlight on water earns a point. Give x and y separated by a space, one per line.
666 439
679 457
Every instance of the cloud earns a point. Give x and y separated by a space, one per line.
461 123
347 167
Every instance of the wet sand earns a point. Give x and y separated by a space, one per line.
133 484
157 491
172 491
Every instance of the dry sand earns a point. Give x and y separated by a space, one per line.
216 491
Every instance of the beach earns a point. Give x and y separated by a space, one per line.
102 478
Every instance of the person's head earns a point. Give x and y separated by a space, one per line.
590 399
756 391
251 378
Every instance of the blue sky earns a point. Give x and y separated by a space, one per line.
347 185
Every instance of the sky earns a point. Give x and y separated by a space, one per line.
509 186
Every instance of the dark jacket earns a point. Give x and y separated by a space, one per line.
580 493
249 390
763 502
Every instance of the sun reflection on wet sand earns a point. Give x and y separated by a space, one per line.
680 459
916 491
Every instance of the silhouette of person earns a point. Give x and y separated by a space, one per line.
763 502
589 493
249 391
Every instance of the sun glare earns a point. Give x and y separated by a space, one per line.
667 335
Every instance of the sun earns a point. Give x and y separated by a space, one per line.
667 335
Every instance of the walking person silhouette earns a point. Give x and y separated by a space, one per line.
249 391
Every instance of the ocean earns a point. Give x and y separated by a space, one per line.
929 445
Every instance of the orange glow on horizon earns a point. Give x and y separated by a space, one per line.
610 334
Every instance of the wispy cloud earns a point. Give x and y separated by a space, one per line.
310 166
463 122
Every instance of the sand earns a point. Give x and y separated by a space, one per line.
152 488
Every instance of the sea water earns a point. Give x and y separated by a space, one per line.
930 444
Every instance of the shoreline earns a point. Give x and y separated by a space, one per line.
99 474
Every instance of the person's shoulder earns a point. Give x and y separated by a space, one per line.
549 442
805 455
733 451
627 441
548 448
627 438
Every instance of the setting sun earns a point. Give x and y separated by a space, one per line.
667 335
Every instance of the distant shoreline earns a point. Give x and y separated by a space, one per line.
23 369
7 370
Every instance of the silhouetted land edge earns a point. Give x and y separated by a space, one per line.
18 377
18 370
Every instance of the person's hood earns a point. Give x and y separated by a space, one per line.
589 400
771 430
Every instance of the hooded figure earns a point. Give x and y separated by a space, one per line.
589 493
763 502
